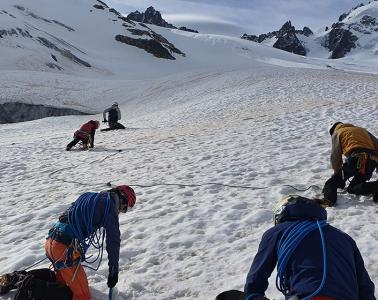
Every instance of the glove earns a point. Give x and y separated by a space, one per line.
112 278
105 121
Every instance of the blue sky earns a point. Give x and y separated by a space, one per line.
238 16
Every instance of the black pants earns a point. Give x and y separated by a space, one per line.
73 143
114 126
358 185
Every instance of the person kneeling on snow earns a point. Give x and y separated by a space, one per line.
85 134
77 230
114 115
314 259
360 147
91 218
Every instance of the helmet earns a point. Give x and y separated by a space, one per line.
282 211
127 197
332 128
115 104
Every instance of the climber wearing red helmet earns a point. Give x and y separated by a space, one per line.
89 222
85 134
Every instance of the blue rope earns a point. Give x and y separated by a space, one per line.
288 243
80 218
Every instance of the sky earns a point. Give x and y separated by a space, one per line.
236 17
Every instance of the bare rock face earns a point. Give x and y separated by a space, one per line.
288 41
150 16
149 45
340 41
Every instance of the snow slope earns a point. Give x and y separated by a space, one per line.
212 141
235 128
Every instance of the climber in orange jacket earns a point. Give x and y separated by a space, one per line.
360 148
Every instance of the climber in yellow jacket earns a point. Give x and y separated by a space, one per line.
360 148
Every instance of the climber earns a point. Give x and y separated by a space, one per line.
360 148
86 223
85 135
314 259
114 115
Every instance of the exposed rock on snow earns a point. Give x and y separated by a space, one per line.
355 29
149 45
64 52
187 29
150 16
19 112
340 41
288 41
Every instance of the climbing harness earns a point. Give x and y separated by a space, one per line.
288 243
362 159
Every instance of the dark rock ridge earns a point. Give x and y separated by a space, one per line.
13 112
340 41
152 16
183 28
27 12
153 45
64 52
262 37
15 31
287 39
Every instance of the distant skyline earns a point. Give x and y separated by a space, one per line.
236 17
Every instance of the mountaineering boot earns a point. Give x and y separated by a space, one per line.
9 281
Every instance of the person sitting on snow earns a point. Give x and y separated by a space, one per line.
114 115
91 218
314 259
85 134
360 147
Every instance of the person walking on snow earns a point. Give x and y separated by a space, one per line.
360 148
85 134
114 115
315 261
78 229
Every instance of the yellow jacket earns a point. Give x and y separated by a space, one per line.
347 138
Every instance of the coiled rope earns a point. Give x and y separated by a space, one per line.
289 241
81 216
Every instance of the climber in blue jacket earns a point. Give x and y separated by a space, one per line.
314 259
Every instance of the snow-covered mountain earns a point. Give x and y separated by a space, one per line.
355 33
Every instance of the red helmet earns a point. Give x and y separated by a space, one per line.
128 195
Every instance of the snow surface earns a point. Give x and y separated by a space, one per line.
212 142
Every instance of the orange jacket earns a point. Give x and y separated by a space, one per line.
347 138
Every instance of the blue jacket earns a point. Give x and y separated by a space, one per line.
347 278
113 235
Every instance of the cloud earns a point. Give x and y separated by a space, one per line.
206 24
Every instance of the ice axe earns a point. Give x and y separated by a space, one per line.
111 294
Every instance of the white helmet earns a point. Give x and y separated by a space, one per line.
332 127
115 104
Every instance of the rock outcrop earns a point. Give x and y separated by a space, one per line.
150 16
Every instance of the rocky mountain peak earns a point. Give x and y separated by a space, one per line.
150 16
